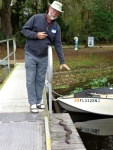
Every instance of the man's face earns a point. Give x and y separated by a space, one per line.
53 13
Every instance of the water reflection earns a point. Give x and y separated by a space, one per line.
97 127
96 134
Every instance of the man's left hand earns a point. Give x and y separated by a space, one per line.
65 66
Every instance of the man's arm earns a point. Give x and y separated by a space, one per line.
59 50
27 29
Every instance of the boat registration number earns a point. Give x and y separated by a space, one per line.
86 100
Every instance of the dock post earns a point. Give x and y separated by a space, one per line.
5 72
50 77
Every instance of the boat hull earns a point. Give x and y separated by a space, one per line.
89 104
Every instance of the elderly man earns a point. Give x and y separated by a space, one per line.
40 31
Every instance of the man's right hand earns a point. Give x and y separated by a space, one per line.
41 35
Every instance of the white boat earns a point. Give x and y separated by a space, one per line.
103 127
97 101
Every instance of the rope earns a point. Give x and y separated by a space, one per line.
57 93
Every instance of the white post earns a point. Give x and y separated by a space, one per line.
11 3
8 54
14 50
76 43
50 76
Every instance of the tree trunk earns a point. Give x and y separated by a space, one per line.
45 6
6 18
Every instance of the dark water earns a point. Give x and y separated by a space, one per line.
94 142
96 131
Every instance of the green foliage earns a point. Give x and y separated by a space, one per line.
64 28
96 83
78 89
20 39
103 20
0 4
22 11
80 18
91 18
1 34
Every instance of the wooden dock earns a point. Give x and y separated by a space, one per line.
58 134
21 129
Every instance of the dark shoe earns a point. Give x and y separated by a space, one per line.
40 106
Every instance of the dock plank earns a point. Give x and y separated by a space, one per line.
58 133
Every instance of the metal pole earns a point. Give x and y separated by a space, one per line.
8 53
14 50
50 76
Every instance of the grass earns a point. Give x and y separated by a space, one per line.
85 59
85 64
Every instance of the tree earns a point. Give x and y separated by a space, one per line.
20 11
103 21
6 18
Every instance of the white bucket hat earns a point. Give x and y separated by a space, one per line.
57 5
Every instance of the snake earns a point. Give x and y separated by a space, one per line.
69 131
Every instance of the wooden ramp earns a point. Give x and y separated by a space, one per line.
58 134
23 130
